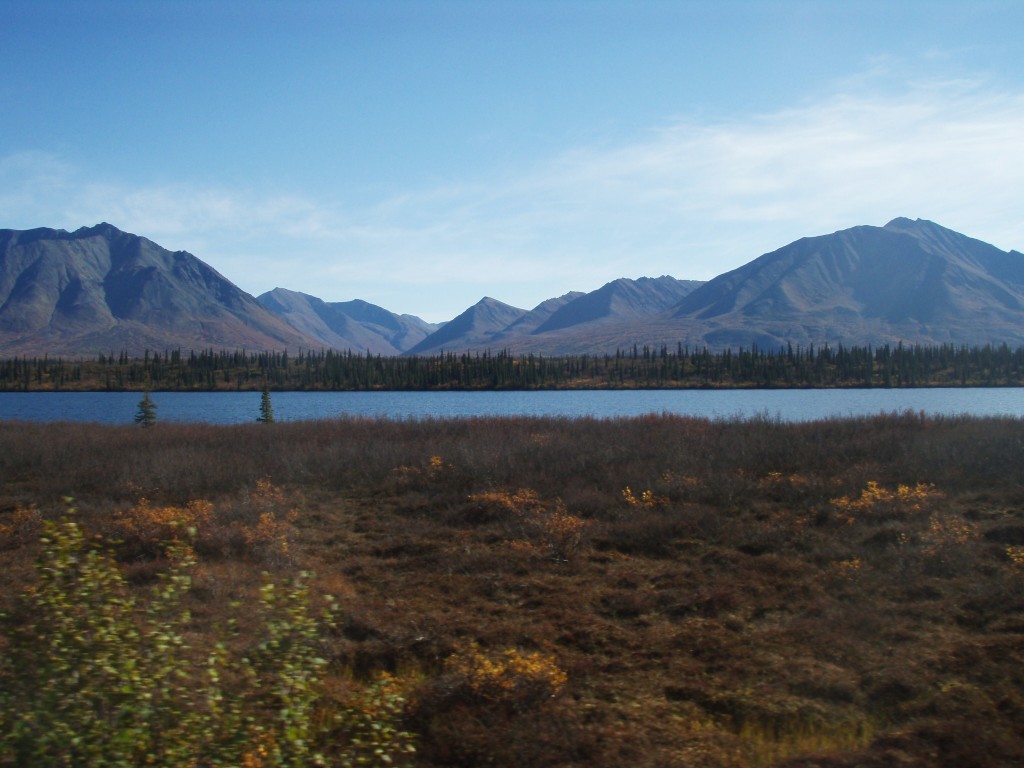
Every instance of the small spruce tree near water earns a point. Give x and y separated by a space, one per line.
146 414
266 409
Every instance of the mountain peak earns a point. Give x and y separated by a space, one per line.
902 222
103 229
489 301
476 327
915 226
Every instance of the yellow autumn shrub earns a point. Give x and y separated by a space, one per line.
876 502
507 677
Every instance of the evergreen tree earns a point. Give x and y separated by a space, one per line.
146 415
266 409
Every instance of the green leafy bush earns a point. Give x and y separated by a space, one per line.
96 678
92 676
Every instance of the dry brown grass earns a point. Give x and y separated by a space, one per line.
762 594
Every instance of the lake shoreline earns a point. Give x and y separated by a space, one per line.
790 405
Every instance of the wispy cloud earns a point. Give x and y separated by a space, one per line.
949 151
691 198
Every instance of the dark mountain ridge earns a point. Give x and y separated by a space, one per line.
99 289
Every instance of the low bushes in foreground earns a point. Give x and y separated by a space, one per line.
95 676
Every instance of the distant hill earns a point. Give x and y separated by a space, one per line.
356 325
563 324
99 289
618 301
477 328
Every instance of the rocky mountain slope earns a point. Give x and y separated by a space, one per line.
910 281
100 289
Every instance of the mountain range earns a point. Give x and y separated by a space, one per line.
99 289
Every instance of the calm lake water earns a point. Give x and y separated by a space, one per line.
785 405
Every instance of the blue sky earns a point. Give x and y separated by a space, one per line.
422 155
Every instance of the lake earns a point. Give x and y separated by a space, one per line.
783 404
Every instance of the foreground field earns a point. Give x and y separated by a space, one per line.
545 592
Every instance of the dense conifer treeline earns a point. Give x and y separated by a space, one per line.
636 368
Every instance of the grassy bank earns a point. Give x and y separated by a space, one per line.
550 592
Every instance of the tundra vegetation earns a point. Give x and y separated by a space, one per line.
650 591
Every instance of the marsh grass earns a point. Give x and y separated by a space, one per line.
716 593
